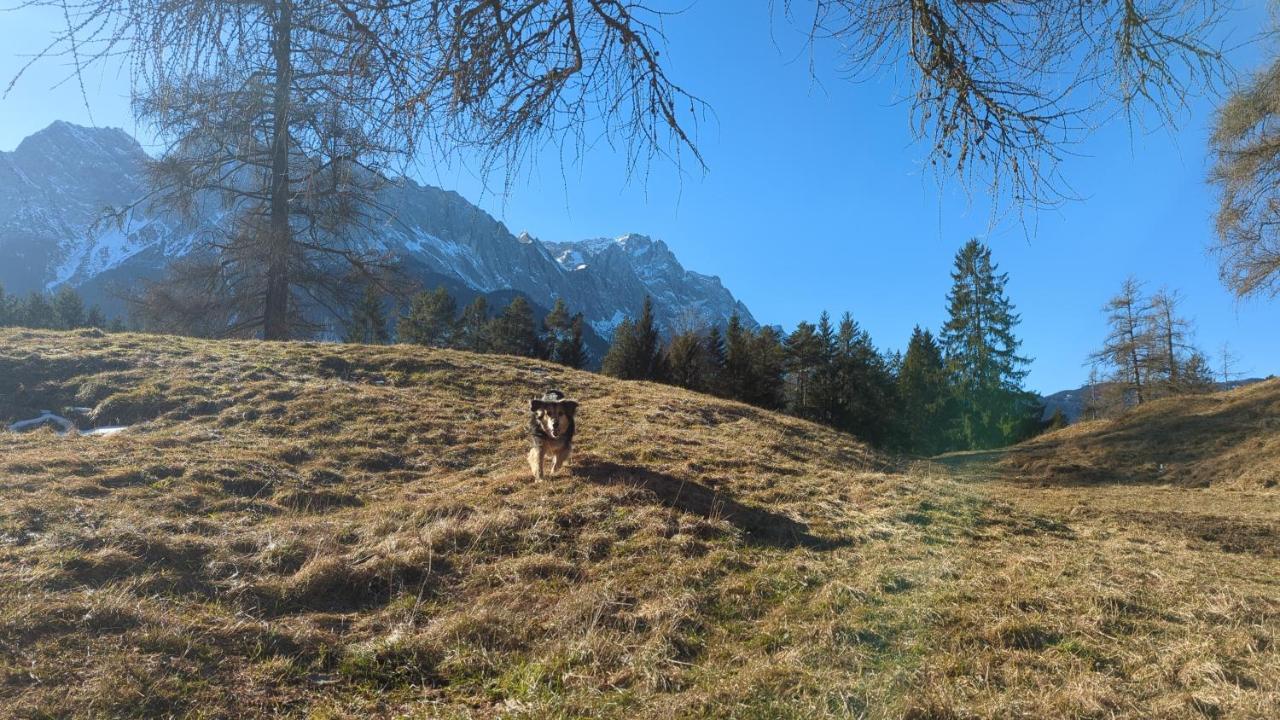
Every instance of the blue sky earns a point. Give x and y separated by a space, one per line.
816 197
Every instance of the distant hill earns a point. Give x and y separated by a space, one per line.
1230 438
1072 402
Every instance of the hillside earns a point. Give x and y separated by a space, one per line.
313 530
1227 439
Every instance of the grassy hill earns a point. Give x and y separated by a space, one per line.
1226 439
309 530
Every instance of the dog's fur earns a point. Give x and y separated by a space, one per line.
551 428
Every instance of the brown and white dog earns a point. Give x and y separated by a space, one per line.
551 428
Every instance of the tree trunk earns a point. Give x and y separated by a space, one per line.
275 314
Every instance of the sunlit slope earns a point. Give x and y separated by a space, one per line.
1228 439
316 530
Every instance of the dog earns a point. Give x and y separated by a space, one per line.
551 428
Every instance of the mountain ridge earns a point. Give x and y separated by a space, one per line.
55 186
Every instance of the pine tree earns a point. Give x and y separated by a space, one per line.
36 312
563 338
636 351
573 352
863 385
923 396
982 353
95 318
687 362
805 359
68 309
472 332
7 311
1057 421
431 319
737 360
767 372
515 332
714 357
368 322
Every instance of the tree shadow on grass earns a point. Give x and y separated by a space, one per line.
759 526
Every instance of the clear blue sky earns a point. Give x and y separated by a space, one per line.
816 198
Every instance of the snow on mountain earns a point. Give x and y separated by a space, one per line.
57 184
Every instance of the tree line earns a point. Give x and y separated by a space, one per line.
63 310
432 319
959 390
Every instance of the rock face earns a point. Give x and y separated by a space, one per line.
55 186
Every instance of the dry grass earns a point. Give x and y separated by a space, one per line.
328 531
1227 440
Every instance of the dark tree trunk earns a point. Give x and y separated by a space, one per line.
275 318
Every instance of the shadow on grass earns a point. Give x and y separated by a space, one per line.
759 526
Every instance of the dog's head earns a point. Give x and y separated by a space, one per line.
553 416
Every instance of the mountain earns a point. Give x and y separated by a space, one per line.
1072 402
56 185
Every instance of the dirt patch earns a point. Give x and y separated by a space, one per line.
1230 534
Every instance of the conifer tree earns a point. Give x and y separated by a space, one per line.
472 332
618 361
1057 421
95 318
36 312
636 351
574 352
564 343
923 396
767 372
714 357
982 353
368 322
864 384
431 319
805 359
514 331
6 309
737 360
68 309
687 361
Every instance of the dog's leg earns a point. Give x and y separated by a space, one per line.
560 458
535 461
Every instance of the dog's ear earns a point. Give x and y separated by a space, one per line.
570 406
535 405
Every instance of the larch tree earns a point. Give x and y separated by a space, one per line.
999 89
1128 344
1245 146
1171 347
285 117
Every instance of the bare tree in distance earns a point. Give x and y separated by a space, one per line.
1128 342
1245 145
1000 89
1171 339
287 116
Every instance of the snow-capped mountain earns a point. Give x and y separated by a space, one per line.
56 185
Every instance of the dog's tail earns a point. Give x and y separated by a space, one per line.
552 396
